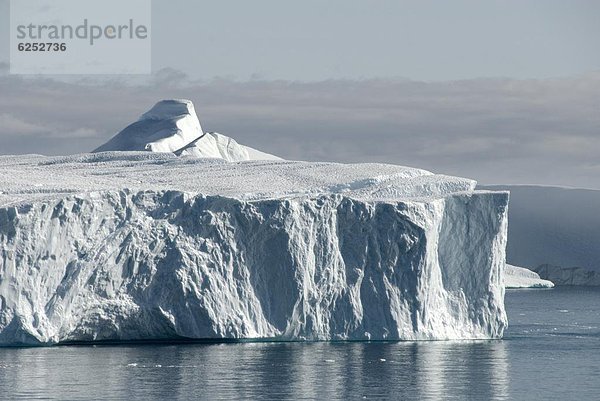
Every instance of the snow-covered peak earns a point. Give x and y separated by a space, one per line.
169 109
173 126
167 127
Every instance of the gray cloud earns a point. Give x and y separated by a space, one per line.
10 123
494 130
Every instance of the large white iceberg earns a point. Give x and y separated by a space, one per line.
142 245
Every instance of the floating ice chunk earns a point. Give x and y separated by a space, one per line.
520 277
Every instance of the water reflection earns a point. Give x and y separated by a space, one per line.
553 354
259 370
476 370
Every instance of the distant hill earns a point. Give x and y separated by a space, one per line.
556 227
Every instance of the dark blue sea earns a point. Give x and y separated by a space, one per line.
550 352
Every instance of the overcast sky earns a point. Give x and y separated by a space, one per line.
333 39
500 91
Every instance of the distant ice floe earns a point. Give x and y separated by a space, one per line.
520 277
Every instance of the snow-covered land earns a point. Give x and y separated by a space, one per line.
570 275
555 232
143 245
520 277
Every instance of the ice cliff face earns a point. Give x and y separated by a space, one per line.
172 126
139 245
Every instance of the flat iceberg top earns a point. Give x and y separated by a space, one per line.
28 178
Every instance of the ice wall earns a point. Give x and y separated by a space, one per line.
385 253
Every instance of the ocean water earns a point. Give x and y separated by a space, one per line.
550 352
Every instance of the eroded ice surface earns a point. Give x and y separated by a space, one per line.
126 245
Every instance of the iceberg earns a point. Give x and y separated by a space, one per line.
520 277
149 245
173 126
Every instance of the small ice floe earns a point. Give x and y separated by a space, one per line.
520 277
